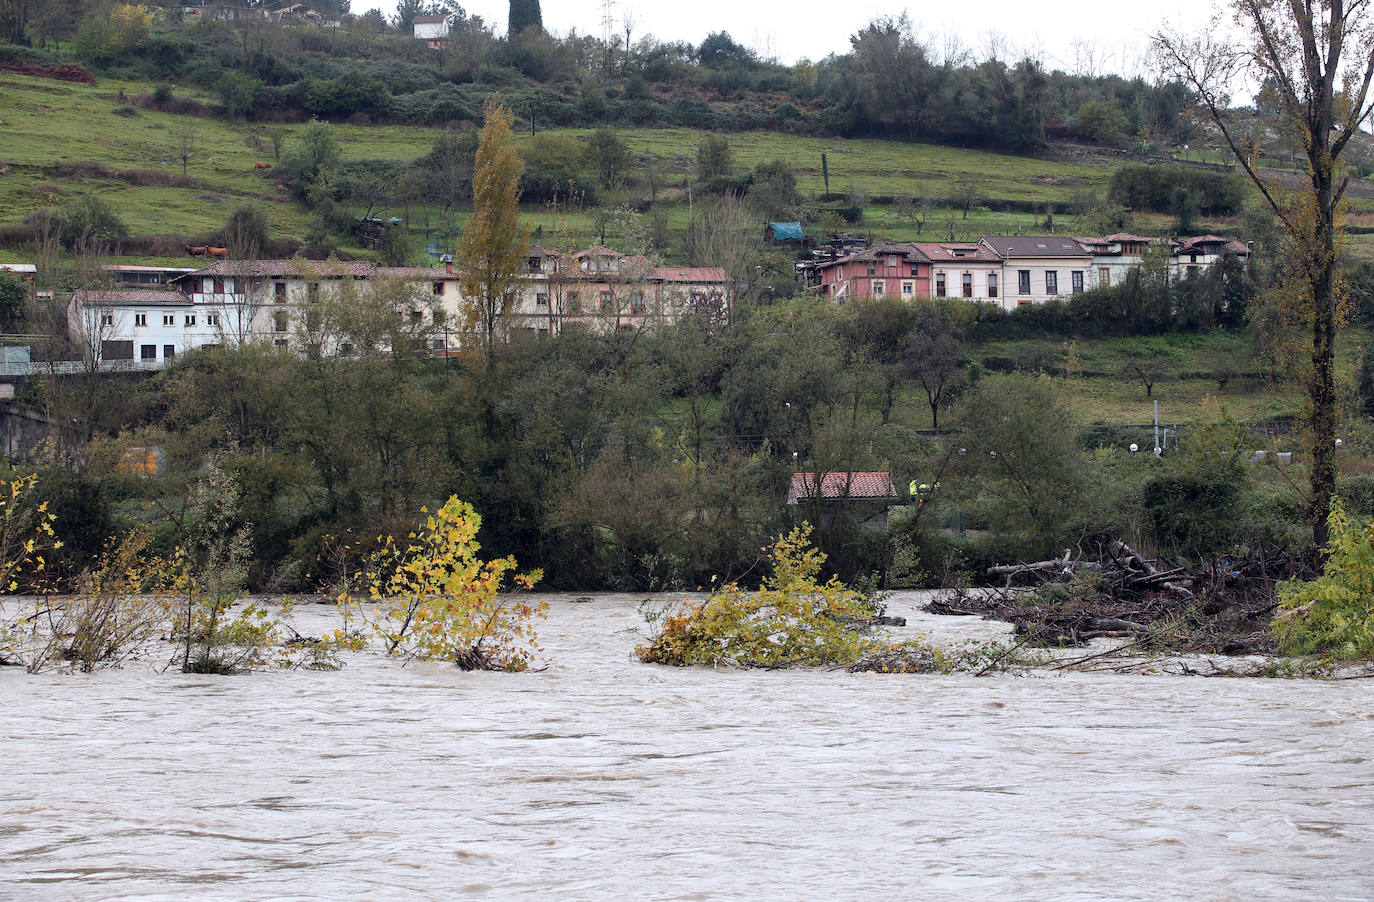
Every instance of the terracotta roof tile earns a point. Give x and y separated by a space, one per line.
293 267
690 274
833 485
123 297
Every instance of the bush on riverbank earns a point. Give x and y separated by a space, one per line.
1333 615
792 620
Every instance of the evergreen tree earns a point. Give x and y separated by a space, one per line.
524 14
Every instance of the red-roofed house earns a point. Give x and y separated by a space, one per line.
891 270
959 270
1191 255
865 496
602 289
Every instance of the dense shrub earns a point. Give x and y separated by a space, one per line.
1155 188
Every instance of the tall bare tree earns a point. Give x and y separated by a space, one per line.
1319 58
493 248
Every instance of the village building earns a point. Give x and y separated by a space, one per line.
1190 256
124 276
1038 268
432 29
307 305
863 496
1114 257
960 270
887 271
145 326
604 290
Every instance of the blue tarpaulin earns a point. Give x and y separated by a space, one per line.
786 231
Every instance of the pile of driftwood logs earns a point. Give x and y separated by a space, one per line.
1223 606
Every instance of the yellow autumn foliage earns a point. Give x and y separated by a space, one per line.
432 598
791 620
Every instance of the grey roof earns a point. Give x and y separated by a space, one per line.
1034 246
130 297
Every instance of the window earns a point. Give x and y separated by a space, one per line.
438 344
992 284
219 285
190 319
1023 281
894 262
939 284
607 304
140 319
439 289
279 321
908 289
279 291
879 287
169 319
440 317
147 352
417 317
574 302
1104 276
107 319
345 348
914 272
637 304
279 344
313 291
208 285
169 351
313 319
872 269
212 319
1076 277
1051 281
541 299
967 284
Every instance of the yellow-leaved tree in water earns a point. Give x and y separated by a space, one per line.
433 599
792 620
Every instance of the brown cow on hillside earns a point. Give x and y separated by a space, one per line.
199 251
259 164
220 252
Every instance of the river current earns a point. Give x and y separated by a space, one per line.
601 777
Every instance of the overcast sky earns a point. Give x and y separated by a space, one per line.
1065 34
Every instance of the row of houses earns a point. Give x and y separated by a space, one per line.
151 315
1010 270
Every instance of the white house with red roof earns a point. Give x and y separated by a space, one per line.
1193 255
604 290
147 326
302 305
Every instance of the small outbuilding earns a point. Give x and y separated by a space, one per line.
864 496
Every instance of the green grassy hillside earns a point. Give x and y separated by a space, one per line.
47 123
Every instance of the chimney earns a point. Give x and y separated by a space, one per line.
448 267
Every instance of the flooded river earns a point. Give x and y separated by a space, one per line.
602 777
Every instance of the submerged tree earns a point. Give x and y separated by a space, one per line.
493 247
1318 60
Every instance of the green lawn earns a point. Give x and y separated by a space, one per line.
46 122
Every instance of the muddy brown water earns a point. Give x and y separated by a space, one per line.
602 777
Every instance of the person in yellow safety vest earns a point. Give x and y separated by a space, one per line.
921 491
